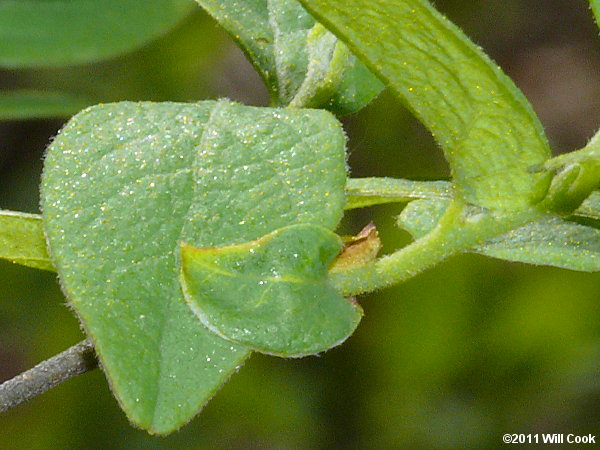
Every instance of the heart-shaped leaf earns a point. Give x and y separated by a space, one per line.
271 294
124 183
301 63
53 33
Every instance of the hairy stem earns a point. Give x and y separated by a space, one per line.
362 192
457 231
74 361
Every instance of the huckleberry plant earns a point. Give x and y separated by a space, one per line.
187 236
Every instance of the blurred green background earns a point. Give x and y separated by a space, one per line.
453 358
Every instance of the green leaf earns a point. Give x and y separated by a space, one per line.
326 64
548 241
361 192
302 64
271 294
590 208
488 130
422 216
22 240
18 105
125 183
552 242
45 33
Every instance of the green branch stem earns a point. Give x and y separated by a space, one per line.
363 192
457 231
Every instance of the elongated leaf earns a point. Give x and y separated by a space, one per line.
22 240
488 130
124 183
301 64
38 104
271 294
53 33
362 192
550 241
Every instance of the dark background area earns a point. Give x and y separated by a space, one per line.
453 358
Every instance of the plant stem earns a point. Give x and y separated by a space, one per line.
362 192
74 361
457 231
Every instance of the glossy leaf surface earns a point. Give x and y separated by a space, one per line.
271 294
37 33
301 64
124 183
487 129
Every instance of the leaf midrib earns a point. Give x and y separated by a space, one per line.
164 319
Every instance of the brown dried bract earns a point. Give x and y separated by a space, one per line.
360 249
